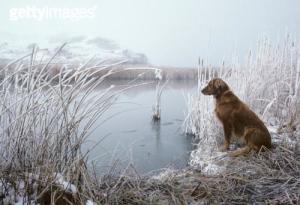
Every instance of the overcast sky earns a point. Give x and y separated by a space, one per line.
169 32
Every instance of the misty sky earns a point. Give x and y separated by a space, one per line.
169 32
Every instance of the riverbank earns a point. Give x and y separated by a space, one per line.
271 177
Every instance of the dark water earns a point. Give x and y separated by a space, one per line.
131 137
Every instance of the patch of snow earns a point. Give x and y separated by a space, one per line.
64 184
89 202
272 129
158 74
164 175
209 160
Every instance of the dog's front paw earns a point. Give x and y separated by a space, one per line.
224 148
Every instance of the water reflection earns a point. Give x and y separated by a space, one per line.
156 130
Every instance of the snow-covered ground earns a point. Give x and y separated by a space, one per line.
17 193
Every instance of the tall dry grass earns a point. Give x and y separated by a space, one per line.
268 82
44 120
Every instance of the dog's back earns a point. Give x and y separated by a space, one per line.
231 109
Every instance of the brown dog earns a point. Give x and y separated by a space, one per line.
237 119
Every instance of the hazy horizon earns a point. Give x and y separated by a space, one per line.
170 33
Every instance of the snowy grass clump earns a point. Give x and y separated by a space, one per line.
269 82
44 121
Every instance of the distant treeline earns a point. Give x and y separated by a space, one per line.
115 72
148 73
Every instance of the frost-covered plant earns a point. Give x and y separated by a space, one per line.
45 119
268 82
158 92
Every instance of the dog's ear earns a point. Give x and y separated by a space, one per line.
218 83
220 86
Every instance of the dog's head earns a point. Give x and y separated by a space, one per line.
215 87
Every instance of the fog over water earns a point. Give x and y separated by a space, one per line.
169 32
